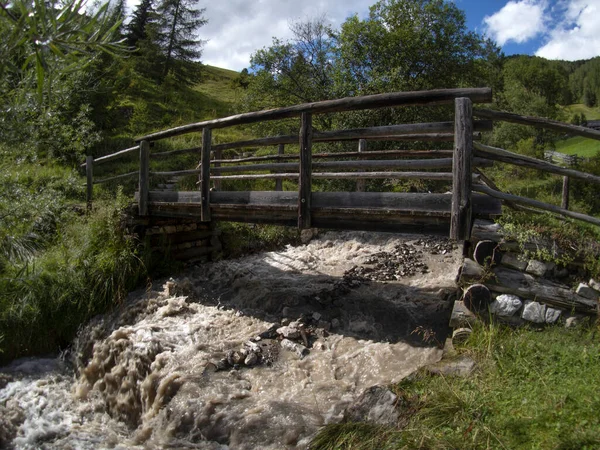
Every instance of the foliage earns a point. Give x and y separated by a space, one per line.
584 82
529 390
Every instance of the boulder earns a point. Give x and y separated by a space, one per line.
536 268
506 305
534 312
376 405
586 291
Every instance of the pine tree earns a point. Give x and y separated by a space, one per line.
178 24
137 29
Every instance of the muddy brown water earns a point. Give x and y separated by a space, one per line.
144 376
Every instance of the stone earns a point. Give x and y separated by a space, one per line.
536 268
324 325
594 284
317 316
561 272
534 312
300 350
461 315
335 323
513 261
576 320
506 305
552 314
376 405
459 367
586 291
289 332
251 359
308 235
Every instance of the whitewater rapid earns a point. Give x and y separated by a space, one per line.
148 374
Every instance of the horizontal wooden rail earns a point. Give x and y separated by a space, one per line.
433 97
175 173
117 177
499 154
442 176
113 155
176 152
535 204
538 122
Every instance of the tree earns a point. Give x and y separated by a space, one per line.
137 27
178 24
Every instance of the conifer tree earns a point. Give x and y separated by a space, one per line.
142 16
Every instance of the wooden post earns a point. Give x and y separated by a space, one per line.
460 222
144 186
205 175
305 183
279 181
362 146
565 193
89 173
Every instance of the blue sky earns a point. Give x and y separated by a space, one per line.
554 29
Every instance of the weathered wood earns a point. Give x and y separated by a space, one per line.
432 97
510 281
217 155
536 204
174 173
305 180
440 176
460 224
89 175
205 175
565 193
144 180
487 253
279 181
538 122
117 177
499 154
362 147
176 152
477 298
118 154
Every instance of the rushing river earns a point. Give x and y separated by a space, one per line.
257 352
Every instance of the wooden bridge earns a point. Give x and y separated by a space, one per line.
473 195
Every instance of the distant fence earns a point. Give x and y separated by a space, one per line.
564 159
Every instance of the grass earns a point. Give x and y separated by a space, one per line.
578 146
531 390
578 108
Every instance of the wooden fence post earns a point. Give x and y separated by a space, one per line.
144 182
205 175
565 193
305 182
89 173
279 181
460 221
362 146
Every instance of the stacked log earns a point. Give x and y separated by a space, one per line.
500 282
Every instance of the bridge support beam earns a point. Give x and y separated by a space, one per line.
461 212
305 182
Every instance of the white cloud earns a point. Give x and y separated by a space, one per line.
517 21
577 35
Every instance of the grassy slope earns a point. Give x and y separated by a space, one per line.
579 145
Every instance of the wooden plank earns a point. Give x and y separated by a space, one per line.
565 193
205 175
144 180
117 177
217 155
432 97
174 173
460 224
113 155
361 183
499 154
440 176
535 204
89 175
279 181
305 180
176 152
538 122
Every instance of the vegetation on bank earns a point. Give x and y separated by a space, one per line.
529 390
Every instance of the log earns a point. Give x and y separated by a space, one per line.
113 155
305 180
460 223
499 154
279 181
144 180
565 193
538 122
487 253
176 152
174 173
432 97
477 298
89 175
536 204
509 281
116 177
440 176
205 175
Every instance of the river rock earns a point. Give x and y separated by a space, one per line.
534 312
594 284
506 305
552 314
289 332
536 268
586 291
298 349
458 367
377 405
251 359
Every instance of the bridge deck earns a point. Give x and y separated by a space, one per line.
369 211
